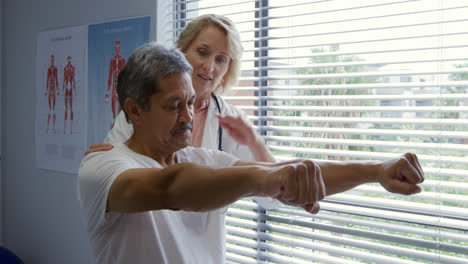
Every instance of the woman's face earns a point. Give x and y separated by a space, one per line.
209 57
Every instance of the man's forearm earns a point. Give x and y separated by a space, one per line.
337 176
342 176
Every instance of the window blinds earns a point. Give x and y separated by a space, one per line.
351 80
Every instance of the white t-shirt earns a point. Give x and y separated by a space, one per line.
162 236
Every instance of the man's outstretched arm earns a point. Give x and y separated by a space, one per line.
303 183
401 174
179 187
192 187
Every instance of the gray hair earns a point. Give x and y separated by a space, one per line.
139 78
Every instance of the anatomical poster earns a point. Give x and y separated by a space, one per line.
109 46
61 98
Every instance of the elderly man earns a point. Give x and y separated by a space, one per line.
155 200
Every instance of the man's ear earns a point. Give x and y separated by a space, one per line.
133 110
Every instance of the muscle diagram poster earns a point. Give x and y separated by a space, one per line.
109 46
60 98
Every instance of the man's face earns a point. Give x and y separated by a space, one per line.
168 123
69 59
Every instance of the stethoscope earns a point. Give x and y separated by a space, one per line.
220 135
220 129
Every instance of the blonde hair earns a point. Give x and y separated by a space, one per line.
193 29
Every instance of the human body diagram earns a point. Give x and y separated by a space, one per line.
51 92
69 86
68 91
116 64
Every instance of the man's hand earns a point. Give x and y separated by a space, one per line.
98 147
106 97
297 184
402 174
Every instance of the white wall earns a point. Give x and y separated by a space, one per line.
42 221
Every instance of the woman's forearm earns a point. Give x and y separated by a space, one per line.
260 151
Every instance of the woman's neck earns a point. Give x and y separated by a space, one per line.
202 100
201 105
199 120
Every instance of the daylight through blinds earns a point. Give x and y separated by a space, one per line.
354 80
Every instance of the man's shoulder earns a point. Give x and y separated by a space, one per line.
119 155
101 165
119 151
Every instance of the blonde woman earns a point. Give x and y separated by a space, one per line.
211 43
